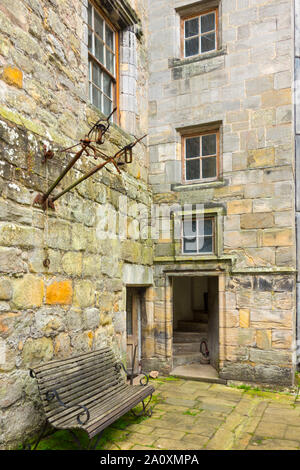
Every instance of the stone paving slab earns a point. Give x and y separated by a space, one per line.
190 415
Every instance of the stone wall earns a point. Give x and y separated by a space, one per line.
244 88
78 302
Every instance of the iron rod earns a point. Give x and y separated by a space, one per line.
84 177
68 167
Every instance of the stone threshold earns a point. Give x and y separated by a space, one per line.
198 372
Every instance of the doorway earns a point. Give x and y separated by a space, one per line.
196 322
134 299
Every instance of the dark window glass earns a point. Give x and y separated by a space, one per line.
191 27
192 148
207 23
189 227
205 245
96 97
90 40
98 24
90 14
190 245
192 47
99 49
209 167
208 226
208 42
107 85
193 169
107 105
209 144
109 61
96 74
109 37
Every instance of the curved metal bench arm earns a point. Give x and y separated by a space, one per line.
120 365
51 394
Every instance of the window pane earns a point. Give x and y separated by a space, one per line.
209 167
205 245
109 61
107 85
208 42
109 37
99 50
189 227
97 75
90 40
89 14
208 224
207 23
191 47
191 27
107 106
209 144
98 23
96 97
193 169
190 245
192 147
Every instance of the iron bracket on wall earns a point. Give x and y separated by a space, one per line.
89 147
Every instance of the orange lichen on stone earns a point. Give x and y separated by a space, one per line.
59 293
13 76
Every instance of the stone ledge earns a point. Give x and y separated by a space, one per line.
196 186
174 62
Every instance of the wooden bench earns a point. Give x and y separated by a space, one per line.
88 392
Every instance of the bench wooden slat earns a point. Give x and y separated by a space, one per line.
62 369
80 379
79 357
109 401
84 399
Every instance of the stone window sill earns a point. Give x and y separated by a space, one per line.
196 186
174 62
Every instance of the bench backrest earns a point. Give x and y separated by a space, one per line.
78 380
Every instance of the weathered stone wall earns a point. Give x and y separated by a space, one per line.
77 303
245 88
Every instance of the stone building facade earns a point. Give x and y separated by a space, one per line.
189 74
242 91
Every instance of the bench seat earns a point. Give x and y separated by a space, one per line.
87 391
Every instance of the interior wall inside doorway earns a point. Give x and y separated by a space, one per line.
188 296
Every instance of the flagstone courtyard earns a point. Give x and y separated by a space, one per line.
191 415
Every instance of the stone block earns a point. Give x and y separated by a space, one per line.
28 292
264 339
257 220
13 76
244 314
59 292
261 157
275 98
236 239
280 237
5 289
241 206
246 337
72 263
84 293
62 346
11 261
282 339
36 351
